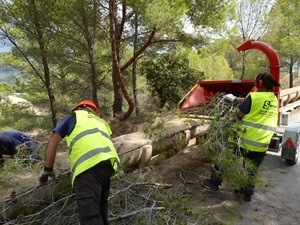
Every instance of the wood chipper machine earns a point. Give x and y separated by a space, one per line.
286 142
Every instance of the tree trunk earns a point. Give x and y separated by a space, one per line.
44 56
115 36
35 198
52 103
291 75
134 64
243 65
89 38
118 100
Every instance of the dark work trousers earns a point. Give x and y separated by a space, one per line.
91 192
256 158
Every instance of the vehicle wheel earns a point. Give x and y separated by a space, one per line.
293 162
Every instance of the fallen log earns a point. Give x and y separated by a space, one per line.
135 151
18 205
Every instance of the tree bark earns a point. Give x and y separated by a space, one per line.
291 75
115 36
34 198
135 151
44 57
134 65
90 37
243 65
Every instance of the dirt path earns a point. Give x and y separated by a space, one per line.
276 202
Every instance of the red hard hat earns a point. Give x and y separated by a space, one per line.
86 103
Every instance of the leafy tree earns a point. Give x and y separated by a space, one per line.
62 51
213 61
5 89
284 34
161 22
26 24
170 76
65 41
83 62
251 21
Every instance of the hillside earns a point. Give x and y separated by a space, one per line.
8 75
177 189
174 180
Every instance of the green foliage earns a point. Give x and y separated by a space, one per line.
165 146
177 209
153 126
21 117
160 13
72 57
216 68
140 201
19 163
256 63
284 35
208 13
169 76
250 22
223 148
5 89
211 60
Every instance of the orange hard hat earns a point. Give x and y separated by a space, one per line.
87 103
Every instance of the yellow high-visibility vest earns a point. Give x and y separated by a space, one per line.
259 125
90 143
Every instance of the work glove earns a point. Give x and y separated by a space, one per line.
230 97
46 172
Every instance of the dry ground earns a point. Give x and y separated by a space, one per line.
184 171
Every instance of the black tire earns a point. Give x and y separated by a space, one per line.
293 162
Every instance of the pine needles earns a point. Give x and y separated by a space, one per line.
223 142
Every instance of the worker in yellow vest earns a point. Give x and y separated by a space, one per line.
259 117
93 160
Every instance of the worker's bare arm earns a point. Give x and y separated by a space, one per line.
51 149
239 99
239 113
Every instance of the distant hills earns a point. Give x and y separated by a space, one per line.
7 74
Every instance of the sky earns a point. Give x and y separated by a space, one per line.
4 46
4 49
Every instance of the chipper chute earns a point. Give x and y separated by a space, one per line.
202 92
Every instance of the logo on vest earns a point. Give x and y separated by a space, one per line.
267 104
268 109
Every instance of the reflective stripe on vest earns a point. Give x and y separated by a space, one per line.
89 155
259 125
254 143
86 132
90 143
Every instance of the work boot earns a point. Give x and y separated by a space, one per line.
240 194
210 184
247 198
